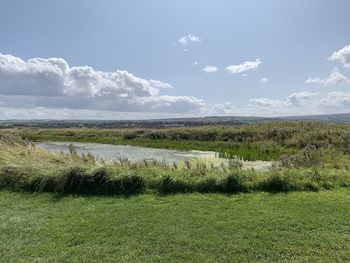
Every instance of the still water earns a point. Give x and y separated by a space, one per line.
110 152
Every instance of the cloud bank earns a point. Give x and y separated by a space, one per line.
49 88
52 83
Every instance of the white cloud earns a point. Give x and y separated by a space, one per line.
335 78
190 38
50 88
195 63
266 102
301 103
160 84
343 55
300 98
336 101
210 69
264 80
52 83
245 66
293 100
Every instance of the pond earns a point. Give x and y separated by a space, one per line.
111 152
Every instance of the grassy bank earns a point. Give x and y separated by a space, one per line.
297 227
24 167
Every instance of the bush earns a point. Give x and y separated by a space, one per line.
129 135
170 185
234 183
278 182
310 156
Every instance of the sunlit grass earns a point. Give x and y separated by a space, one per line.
259 227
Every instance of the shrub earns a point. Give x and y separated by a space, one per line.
130 135
310 156
170 185
233 183
278 182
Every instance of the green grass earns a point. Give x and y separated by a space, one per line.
128 212
26 168
264 141
259 227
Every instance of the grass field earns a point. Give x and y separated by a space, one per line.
71 208
298 227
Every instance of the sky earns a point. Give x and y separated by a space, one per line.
113 59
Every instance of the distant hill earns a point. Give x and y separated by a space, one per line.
338 118
168 123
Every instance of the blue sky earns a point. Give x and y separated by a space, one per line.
140 41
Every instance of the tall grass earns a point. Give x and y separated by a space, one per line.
26 168
126 181
264 141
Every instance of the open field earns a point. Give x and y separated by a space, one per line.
298 227
72 208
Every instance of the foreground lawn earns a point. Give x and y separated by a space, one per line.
302 227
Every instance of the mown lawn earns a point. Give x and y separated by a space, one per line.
299 227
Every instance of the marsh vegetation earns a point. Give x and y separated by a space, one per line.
311 166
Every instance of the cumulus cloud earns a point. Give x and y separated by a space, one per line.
293 100
266 102
190 38
301 103
343 55
210 69
52 83
264 80
244 67
160 84
336 78
336 100
299 98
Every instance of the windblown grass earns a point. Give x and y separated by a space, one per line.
24 167
264 141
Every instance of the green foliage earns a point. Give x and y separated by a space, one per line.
252 227
129 135
310 156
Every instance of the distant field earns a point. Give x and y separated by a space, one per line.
297 227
